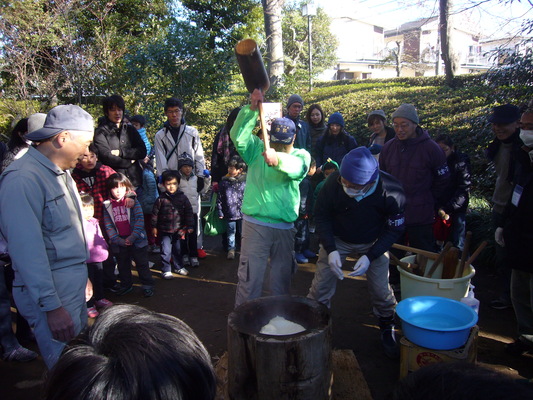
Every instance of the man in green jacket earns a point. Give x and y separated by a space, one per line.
270 204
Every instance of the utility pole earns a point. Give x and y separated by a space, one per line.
309 10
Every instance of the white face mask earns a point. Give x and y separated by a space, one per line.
350 192
527 137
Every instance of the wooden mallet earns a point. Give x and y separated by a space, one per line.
254 74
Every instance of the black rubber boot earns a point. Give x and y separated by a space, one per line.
388 338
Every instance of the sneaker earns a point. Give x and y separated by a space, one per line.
185 260
167 275
148 292
124 290
20 354
500 304
183 271
389 343
103 303
202 253
517 348
308 253
92 312
231 255
194 262
300 259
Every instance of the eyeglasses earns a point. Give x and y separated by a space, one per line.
404 126
173 112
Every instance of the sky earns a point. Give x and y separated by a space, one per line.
493 18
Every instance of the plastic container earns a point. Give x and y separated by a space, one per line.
436 322
470 299
414 285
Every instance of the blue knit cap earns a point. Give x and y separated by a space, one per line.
282 130
359 166
336 118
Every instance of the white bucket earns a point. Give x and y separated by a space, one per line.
414 285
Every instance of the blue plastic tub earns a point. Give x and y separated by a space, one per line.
436 322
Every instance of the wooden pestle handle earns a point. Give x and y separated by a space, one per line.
476 253
439 259
428 254
466 249
264 132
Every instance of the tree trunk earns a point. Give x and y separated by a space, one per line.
275 63
450 64
398 58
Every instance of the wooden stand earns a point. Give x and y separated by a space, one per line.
348 380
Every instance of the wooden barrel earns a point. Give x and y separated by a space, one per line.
266 367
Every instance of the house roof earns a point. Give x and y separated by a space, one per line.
410 26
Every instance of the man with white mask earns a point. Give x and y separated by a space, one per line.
515 233
360 210
526 132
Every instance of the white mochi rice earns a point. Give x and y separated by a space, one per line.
279 326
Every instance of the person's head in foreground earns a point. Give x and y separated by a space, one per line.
131 353
460 381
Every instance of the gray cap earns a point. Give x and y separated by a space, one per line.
407 111
380 113
36 121
63 118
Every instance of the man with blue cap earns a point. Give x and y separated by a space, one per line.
270 204
41 220
360 210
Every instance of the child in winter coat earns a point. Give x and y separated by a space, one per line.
172 216
229 202
127 237
193 187
98 254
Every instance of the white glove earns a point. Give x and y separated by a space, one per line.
335 263
361 266
498 236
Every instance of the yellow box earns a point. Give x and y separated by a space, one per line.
413 357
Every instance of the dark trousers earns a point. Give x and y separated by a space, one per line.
140 256
189 246
95 271
301 240
24 331
503 272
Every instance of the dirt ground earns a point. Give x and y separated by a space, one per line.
205 298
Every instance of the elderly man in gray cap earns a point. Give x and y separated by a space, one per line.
420 166
41 220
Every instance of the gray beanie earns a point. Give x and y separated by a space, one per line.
407 111
295 99
379 113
